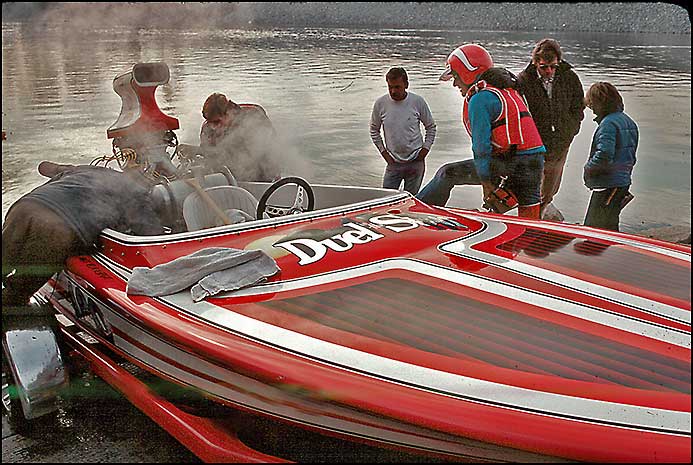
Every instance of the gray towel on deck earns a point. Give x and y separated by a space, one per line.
243 275
209 271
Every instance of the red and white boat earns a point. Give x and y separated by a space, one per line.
395 331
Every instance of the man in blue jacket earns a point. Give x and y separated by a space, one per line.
608 170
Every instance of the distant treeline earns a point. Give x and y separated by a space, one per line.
643 17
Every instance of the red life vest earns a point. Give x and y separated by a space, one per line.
513 127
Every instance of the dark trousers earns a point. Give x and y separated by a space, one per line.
605 208
35 244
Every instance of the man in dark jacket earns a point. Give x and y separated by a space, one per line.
240 136
555 98
64 217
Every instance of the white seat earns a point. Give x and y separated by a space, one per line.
237 203
168 198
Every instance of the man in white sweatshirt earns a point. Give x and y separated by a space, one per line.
400 114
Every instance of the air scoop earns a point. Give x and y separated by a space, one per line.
142 133
139 112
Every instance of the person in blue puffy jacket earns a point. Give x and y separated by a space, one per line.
608 170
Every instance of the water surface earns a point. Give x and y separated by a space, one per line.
318 86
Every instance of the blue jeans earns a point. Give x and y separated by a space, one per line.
437 191
524 174
411 173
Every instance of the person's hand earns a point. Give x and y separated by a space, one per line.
188 150
422 154
487 187
388 158
50 169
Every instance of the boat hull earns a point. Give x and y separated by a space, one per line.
435 332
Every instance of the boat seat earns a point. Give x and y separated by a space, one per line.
238 204
168 198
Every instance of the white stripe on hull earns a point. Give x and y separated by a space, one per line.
584 312
463 248
437 381
253 394
580 231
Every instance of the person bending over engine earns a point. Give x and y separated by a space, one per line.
64 217
240 137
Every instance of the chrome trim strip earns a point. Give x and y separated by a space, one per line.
437 381
463 247
257 224
444 383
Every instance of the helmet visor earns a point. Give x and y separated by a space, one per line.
447 74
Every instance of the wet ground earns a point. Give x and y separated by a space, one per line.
97 424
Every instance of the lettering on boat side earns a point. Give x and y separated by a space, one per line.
311 249
95 267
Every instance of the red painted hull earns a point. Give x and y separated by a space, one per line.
437 332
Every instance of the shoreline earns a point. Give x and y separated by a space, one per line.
556 17
675 234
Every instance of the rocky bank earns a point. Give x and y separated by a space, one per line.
637 17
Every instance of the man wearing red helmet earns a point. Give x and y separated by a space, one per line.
505 140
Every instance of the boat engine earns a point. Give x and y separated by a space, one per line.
144 139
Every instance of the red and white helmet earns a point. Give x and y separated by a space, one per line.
468 61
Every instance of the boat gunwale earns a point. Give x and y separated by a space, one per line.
129 239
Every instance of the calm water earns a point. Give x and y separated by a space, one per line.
318 87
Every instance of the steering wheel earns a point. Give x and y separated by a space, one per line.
303 192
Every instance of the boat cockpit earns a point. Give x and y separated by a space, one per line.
218 199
